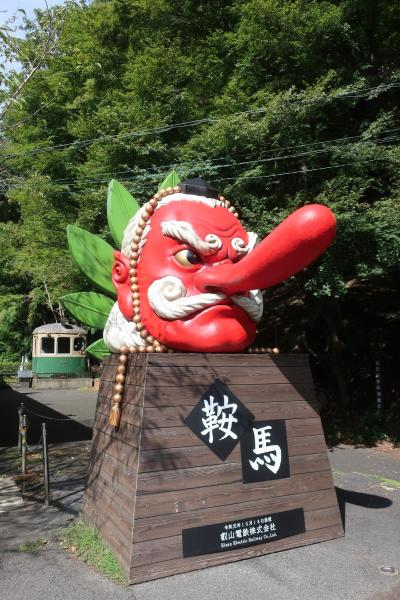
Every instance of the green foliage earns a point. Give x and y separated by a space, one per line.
121 207
89 308
98 350
93 256
85 542
276 103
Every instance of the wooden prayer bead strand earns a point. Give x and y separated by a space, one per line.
229 206
149 344
114 416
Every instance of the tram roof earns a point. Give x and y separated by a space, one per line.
60 328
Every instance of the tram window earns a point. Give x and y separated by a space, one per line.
63 345
47 345
79 344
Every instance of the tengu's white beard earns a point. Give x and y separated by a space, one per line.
167 297
120 332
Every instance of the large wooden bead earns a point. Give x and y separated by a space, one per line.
118 388
117 398
121 369
122 359
120 378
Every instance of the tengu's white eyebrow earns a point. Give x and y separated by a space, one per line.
184 232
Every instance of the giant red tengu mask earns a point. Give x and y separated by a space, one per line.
189 274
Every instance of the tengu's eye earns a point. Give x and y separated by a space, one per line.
187 258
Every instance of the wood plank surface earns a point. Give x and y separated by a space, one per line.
145 553
224 494
156 570
166 481
189 359
124 453
178 437
173 417
152 477
171 524
162 377
189 395
194 456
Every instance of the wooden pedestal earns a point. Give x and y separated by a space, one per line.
153 477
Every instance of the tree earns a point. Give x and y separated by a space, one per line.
278 103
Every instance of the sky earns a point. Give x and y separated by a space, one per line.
9 7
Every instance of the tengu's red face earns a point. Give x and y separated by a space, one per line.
204 324
197 278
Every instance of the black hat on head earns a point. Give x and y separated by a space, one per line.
198 187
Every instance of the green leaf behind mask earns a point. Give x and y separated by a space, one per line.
121 207
90 308
93 256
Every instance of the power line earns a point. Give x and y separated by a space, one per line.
364 92
303 171
210 162
272 176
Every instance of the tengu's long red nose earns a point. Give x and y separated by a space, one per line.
288 249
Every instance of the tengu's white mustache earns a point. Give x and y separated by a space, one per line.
167 297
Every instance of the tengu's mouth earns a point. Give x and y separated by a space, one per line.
168 299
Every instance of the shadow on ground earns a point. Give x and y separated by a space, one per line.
60 427
359 499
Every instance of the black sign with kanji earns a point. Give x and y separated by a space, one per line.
249 531
219 419
264 451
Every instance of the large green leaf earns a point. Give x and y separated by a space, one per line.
89 308
121 207
171 181
98 350
93 256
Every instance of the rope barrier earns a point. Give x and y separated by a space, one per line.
31 412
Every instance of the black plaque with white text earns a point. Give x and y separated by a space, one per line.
264 451
241 533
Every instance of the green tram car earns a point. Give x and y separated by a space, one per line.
59 351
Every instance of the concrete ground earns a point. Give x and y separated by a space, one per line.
368 486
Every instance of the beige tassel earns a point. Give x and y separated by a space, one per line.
115 415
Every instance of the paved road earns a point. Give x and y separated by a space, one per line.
68 413
368 485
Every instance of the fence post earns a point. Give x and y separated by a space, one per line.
20 413
24 429
378 388
45 467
